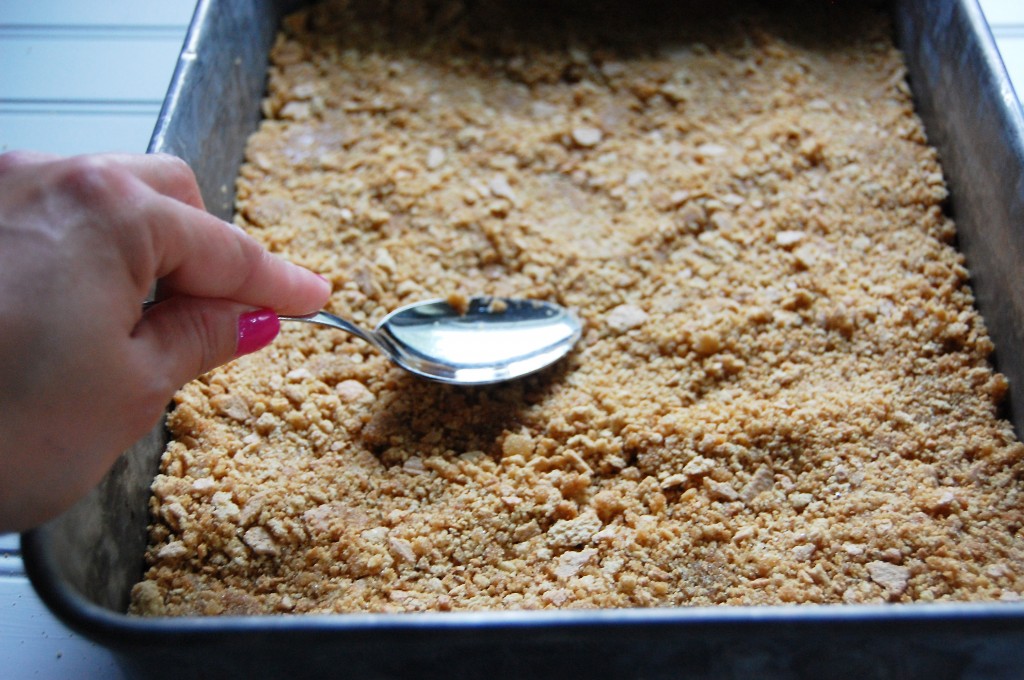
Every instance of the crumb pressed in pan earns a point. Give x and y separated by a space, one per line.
782 392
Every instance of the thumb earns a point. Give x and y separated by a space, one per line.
189 336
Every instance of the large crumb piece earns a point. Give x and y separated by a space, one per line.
782 394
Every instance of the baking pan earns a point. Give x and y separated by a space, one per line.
84 563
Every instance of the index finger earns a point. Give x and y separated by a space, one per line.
164 173
196 254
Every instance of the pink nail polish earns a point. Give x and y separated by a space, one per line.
256 330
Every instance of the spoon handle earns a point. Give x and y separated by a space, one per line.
322 319
325 319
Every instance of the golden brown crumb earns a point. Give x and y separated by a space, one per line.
459 302
782 394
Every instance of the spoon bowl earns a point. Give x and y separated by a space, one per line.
489 340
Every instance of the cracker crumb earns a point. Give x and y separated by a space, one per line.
626 316
435 157
570 563
568 533
587 136
892 577
789 238
459 302
261 542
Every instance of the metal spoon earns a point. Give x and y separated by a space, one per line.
491 340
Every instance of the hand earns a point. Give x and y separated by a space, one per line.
83 371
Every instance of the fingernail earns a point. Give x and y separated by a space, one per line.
256 330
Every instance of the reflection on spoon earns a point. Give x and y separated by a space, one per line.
486 341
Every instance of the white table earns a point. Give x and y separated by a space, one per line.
78 77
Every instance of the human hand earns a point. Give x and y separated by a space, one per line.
84 372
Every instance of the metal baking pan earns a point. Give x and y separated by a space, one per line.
84 563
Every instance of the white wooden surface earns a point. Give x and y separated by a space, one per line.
78 77
81 77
